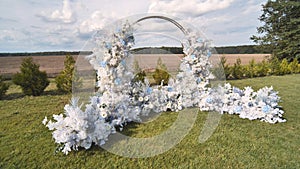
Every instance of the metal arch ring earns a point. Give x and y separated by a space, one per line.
183 30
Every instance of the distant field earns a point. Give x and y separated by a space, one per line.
54 64
51 64
245 58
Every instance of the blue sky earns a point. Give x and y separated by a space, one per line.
42 25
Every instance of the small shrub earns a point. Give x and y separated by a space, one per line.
67 77
3 87
140 77
218 70
31 79
251 69
263 69
139 73
284 67
161 74
237 70
275 66
225 67
293 66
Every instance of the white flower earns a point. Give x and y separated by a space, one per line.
141 99
179 107
146 98
122 99
103 114
169 105
150 106
45 121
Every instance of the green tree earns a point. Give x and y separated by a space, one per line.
31 79
281 30
67 76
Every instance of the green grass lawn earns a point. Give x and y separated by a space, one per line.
236 143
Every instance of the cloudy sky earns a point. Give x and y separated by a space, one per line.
42 25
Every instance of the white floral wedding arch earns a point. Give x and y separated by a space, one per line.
120 100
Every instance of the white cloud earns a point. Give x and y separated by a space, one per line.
70 23
252 6
96 21
65 15
12 35
190 8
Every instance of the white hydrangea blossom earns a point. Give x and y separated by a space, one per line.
120 100
262 105
79 129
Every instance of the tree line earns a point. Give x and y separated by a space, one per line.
48 53
244 49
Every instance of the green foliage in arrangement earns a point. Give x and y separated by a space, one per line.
3 87
67 76
31 79
264 68
161 74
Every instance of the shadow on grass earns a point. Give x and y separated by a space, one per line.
129 130
13 96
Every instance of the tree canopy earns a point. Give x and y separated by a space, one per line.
280 32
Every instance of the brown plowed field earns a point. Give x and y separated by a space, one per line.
54 64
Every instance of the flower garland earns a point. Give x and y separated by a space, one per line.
120 100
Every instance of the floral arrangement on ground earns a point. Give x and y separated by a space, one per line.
120 99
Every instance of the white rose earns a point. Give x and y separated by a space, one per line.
150 106
103 114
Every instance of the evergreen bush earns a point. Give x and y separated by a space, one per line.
3 87
67 77
263 69
284 67
293 66
275 66
251 69
31 79
225 66
139 73
161 74
237 71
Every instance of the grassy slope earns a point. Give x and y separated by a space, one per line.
237 143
